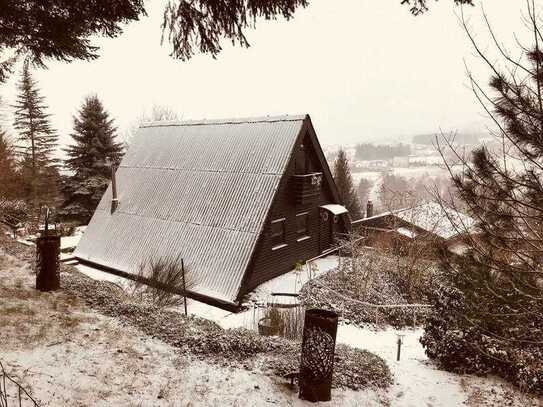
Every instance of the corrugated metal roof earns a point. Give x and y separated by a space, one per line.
201 190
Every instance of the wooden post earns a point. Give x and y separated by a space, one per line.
399 342
184 287
318 348
47 262
114 199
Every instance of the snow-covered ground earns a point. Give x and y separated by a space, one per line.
417 382
67 243
102 275
293 282
64 353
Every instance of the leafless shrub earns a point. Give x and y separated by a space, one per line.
287 322
162 282
293 318
357 265
12 390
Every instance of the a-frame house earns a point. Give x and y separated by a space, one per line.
239 200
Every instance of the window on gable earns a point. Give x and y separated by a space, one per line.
278 235
302 226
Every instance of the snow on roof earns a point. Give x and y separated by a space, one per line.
432 217
335 209
200 190
407 232
205 122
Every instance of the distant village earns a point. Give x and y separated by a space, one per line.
397 175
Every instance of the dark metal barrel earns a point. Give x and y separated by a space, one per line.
47 262
318 348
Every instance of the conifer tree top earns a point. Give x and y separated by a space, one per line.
344 183
94 140
35 135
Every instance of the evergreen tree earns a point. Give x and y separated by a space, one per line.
89 158
394 193
344 183
37 143
364 188
489 310
62 30
8 175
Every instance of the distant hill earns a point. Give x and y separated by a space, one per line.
369 151
459 138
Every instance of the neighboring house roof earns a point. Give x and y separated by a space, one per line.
200 190
444 222
439 220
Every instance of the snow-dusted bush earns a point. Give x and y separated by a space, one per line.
346 289
354 369
476 330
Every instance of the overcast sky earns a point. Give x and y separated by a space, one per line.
363 70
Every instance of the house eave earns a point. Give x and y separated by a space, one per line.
213 301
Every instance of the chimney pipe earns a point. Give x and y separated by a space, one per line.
369 209
114 200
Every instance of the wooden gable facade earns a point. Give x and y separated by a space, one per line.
297 228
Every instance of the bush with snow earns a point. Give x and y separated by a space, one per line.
472 330
377 278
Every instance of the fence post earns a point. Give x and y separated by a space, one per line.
318 348
184 287
47 262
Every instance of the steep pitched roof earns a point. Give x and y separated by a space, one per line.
200 190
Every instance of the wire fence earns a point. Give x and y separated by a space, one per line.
13 394
310 265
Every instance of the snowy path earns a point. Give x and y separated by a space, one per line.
416 382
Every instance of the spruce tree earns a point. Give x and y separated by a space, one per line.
344 183
489 310
89 158
37 142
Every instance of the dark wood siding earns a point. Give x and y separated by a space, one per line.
269 262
